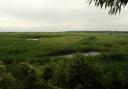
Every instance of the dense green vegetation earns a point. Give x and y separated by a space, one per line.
26 63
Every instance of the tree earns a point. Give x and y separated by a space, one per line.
114 5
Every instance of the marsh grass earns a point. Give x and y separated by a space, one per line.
34 65
14 46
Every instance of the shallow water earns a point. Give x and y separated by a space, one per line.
84 54
91 54
32 39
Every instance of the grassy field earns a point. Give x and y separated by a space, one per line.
36 61
16 45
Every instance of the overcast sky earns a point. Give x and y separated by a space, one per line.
58 15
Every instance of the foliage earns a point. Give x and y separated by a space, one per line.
114 5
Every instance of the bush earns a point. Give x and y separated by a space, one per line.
84 74
8 82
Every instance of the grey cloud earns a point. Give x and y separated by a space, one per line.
64 14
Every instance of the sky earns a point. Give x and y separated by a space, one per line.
58 15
